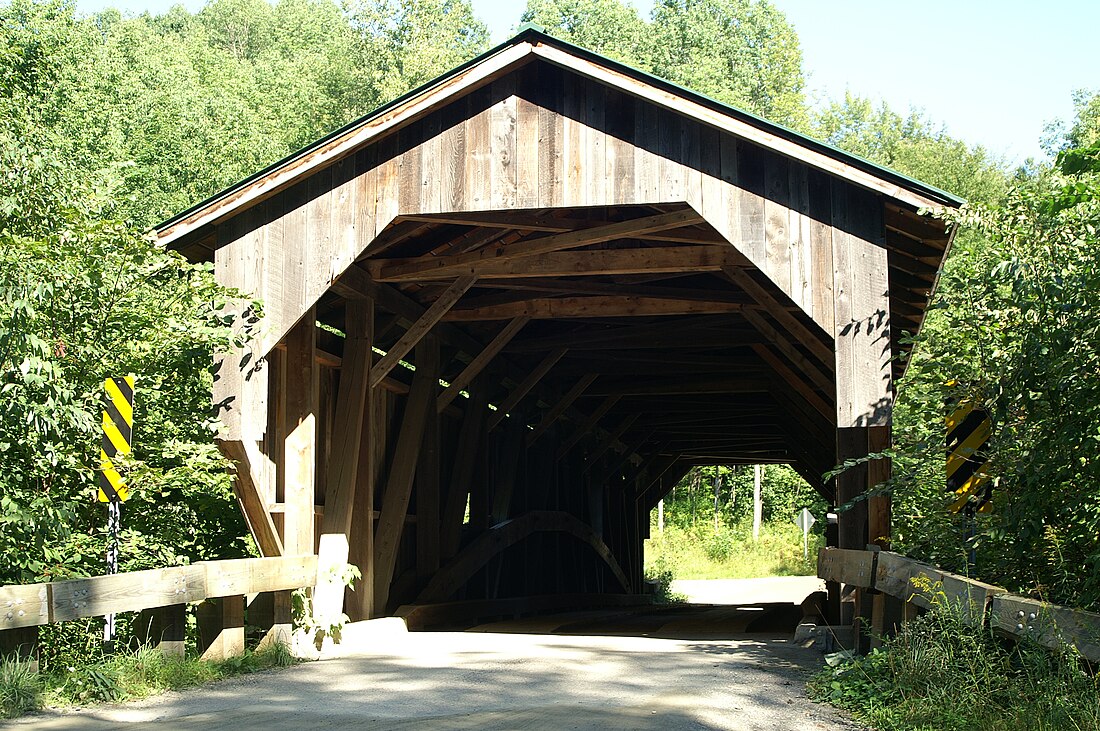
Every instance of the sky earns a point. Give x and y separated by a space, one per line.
990 72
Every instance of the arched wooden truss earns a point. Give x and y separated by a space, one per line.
504 535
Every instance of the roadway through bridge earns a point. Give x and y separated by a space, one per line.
688 667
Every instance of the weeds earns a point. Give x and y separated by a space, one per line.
940 673
123 676
20 690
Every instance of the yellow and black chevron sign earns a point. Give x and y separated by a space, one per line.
118 432
968 430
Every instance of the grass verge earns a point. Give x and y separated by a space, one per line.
941 674
123 676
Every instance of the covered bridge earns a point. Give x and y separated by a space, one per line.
505 313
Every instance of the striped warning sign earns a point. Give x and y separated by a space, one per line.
968 430
118 432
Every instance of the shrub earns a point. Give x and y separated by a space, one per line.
941 673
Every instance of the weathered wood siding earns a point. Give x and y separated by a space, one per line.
544 137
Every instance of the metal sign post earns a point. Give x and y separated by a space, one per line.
118 432
805 521
969 428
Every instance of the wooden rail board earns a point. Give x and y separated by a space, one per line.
60 601
127 592
1049 624
856 568
24 606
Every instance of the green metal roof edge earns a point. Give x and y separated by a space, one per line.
528 31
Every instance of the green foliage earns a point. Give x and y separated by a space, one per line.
911 145
20 689
729 552
742 52
661 576
721 495
320 627
941 673
1017 322
84 297
608 27
126 675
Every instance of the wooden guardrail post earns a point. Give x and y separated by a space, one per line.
165 628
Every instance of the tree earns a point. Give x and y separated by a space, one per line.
608 27
911 145
742 52
82 297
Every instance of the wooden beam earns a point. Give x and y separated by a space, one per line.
599 262
300 427
608 441
448 266
395 500
420 328
608 306
359 600
805 336
724 384
559 408
462 473
793 380
351 402
517 394
619 461
355 283
535 221
478 364
248 496
519 286
821 375
589 424
428 481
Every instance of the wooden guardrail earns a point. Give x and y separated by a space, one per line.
25 607
920 584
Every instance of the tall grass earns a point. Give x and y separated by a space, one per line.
125 675
729 552
939 673
20 689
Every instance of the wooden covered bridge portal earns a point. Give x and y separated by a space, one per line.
504 314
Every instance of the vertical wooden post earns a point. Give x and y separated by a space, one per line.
221 627
300 451
351 402
462 473
395 500
428 483
372 450
271 612
165 628
21 642
864 388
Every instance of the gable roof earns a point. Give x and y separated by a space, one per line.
531 43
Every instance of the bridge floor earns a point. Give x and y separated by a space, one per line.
677 668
